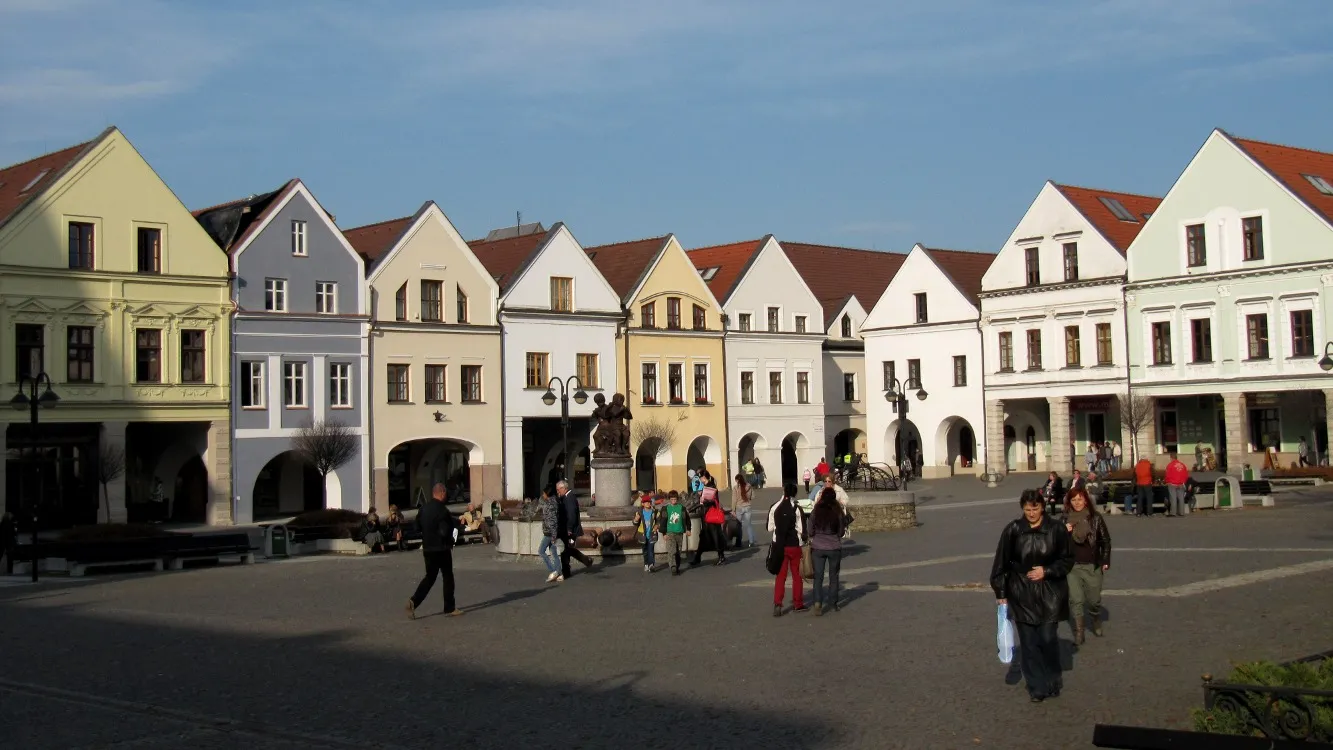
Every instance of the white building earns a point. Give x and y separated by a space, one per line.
923 336
1053 326
558 318
774 356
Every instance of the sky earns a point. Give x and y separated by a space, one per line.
873 124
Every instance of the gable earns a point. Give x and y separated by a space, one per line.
561 256
625 265
852 309
675 273
1049 223
825 270
920 274
772 281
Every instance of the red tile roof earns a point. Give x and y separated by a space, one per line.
36 175
1289 165
623 264
836 273
964 267
505 259
1118 232
372 241
232 223
730 260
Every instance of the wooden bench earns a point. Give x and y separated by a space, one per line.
209 547
304 534
114 554
1145 738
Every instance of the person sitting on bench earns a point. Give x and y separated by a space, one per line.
372 532
394 526
473 521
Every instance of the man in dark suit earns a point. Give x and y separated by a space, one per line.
569 527
439 531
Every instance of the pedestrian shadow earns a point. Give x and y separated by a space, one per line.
509 598
856 592
1067 651
854 549
1015 673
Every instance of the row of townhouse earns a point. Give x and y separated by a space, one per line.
1208 307
195 345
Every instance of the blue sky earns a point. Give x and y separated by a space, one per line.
868 124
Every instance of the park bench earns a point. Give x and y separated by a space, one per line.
1146 738
1256 488
209 547
304 534
119 553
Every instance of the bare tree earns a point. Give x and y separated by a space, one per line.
1137 412
325 445
658 429
110 467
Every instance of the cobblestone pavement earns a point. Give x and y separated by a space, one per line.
316 652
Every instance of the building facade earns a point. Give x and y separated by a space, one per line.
1053 328
435 359
923 340
1228 301
299 355
109 287
671 364
774 356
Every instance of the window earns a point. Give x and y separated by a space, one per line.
585 366
562 294
147 355
921 312
700 318
471 384
1103 343
648 315
1071 261
959 371
400 303
537 376
252 385
1320 184
461 304
1006 352
701 384
1116 207
913 374
399 380
849 386
709 273
1073 347
150 250
80 244
192 356
1196 247
1302 333
1265 428
326 297
802 387
275 295
340 385
1256 328
1034 349
1253 230
747 387
743 322
846 326
1032 261
775 388
79 362
800 324
432 301
673 312
298 239
773 319
436 380
293 385
676 382
1201 335
889 374
30 351
1161 343
648 388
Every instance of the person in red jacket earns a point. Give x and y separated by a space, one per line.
1177 473
1143 487
821 470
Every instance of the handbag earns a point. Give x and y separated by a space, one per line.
714 514
774 560
807 564
1004 636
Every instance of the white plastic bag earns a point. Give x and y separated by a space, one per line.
1004 638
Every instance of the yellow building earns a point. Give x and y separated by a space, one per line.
112 290
670 361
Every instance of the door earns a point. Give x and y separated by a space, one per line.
189 502
966 441
1010 440
1170 432
1097 427
1031 440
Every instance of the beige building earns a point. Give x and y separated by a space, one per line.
670 361
434 362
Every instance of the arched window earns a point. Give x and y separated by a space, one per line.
846 326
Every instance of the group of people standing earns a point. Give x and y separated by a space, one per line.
1103 457
818 533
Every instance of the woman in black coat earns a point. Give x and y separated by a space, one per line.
1031 563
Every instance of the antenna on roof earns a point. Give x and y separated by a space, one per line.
518 219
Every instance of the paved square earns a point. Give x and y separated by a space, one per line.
316 652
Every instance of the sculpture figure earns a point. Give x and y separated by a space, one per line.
613 431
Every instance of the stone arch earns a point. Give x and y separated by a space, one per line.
849 440
749 446
899 438
706 451
416 465
795 446
955 442
1018 454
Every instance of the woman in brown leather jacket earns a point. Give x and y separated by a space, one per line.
1091 541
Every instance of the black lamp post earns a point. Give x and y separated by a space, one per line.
895 391
33 400
580 398
1326 361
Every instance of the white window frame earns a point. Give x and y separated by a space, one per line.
254 383
769 308
782 387
739 313
1295 303
275 290
809 385
299 247
340 385
708 382
656 379
326 297
293 375
856 388
740 387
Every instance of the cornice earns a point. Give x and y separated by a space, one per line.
683 333
1246 273
1057 287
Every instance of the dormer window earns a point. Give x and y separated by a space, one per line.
1320 184
1118 209
846 327
298 239
709 273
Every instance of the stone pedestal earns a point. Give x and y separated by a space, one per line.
1061 457
611 477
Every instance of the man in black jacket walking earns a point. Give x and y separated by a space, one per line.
438 531
569 527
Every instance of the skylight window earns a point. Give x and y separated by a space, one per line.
1320 184
1147 215
1116 207
710 272
35 180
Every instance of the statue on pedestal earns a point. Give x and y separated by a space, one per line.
613 431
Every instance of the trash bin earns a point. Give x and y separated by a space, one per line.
275 541
1223 494
1247 474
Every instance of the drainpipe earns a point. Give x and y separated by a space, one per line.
233 499
1129 389
504 392
726 400
986 464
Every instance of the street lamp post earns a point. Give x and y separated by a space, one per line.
34 399
895 391
580 398
1326 361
